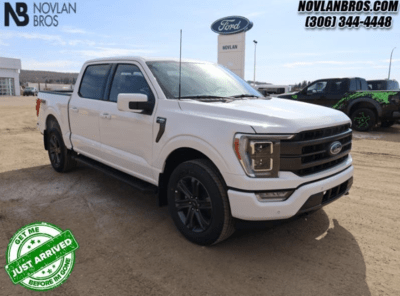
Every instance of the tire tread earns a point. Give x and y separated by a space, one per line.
229 226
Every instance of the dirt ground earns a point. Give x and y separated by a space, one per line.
129 246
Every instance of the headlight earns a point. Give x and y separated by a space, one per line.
259 154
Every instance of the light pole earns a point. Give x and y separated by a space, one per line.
390 63
255 49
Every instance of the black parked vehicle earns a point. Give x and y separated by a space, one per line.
365 107
30 91
383 84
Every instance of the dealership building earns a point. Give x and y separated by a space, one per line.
9 77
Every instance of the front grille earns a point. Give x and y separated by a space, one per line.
321 133
308 152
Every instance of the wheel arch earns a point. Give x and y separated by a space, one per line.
61 120
49 117
364 103
175 158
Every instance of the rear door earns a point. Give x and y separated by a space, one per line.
335 91
84 110
127 137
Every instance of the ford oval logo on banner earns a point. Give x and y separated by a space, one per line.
231 25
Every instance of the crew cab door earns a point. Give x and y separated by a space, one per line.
127 137
314 93
335 92
84 110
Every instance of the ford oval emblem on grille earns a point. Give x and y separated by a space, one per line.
335 148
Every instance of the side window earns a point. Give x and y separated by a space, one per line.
317 88
353 85
364 84
361 84
93 81
358 84
129 79
338 86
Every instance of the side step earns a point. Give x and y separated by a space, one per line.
134 182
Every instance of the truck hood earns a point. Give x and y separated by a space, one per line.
271 115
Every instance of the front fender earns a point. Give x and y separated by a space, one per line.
226 163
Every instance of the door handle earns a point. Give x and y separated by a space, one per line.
105 115
75 109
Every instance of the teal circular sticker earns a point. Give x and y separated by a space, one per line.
41 256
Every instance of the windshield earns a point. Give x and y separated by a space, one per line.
200 80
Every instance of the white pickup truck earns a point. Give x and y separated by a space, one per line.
212 148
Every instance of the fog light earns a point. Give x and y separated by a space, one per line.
274 195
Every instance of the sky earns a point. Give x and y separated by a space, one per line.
287 52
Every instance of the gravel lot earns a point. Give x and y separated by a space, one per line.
129 246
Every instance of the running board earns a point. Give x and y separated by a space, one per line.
130 180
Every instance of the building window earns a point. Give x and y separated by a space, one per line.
7 87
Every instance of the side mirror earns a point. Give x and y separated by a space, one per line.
132 102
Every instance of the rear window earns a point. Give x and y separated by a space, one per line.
393 85
93 81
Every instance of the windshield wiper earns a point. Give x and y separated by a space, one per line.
244 96
204 97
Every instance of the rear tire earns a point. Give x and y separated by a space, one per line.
387 123
363 119
198 203
60 157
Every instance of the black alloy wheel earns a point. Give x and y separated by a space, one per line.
193 204
363 119
55 152
198 202
61 158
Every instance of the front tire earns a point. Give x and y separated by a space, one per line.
198 203
363 119
60 157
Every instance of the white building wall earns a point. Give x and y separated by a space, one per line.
10 68
231 52
50 86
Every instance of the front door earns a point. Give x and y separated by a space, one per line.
314 93
127 137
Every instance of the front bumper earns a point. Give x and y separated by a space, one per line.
246 206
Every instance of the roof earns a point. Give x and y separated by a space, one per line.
339 78
145 59
7 63
270 85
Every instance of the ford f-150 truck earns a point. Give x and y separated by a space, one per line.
365 107
212 148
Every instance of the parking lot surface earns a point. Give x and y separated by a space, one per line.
129 245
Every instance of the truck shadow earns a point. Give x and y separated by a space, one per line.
311 255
